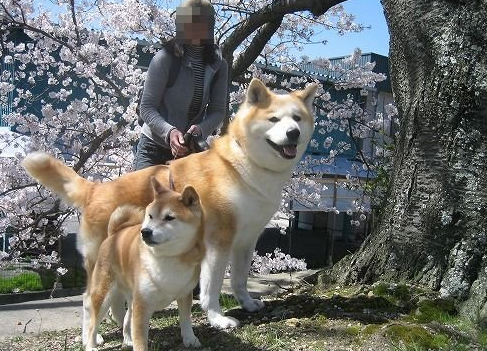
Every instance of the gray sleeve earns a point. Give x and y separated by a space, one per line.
154 88
217 105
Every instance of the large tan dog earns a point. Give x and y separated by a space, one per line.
150 260
239 181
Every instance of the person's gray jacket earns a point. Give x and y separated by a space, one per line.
163 109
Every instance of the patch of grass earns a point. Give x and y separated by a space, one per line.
371 329
440 310
28 281
353 330
413 347
483 339
228 302
165 318
17 338
267 339
397 292
416 337
274 341
320 320
416 347
381 289
344 291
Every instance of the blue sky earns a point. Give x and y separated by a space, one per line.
375 39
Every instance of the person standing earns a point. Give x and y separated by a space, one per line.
196 101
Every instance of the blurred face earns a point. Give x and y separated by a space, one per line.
193 25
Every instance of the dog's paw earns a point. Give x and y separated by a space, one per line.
127 345
222 322
99 340
253 305
191 341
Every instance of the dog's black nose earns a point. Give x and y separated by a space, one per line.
293 134
146 233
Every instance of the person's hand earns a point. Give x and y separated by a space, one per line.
176 142
195 130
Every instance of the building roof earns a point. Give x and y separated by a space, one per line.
321 73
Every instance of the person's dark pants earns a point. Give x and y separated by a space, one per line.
150 154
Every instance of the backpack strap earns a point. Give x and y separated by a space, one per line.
174 70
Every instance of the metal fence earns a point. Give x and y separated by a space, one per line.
21 277
6 105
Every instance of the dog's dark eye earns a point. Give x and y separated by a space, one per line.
150 216
169 218
296 118
274 119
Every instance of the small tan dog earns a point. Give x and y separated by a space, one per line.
149 264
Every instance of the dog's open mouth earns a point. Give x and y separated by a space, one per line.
288 151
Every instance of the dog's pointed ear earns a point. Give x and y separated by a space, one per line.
307 95
257 92
190 197
158 188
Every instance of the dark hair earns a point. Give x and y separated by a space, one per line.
204 9
210 51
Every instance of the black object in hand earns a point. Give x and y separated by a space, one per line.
195 142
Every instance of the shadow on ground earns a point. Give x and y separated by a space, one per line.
364 309
165 334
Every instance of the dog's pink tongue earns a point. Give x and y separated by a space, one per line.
290 150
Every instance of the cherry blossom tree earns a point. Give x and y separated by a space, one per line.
79 62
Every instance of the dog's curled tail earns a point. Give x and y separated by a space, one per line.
57 177
125 216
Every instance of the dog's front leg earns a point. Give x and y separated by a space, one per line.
117 309
127 324
211 281
240 266
184 308
140 324
86 317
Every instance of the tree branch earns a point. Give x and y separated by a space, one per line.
271 13
15 188
75 22
95 144
246 58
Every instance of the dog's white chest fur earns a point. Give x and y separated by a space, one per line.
164 279
255 202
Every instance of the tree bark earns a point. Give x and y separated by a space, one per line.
433 229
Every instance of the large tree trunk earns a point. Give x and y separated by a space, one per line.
433 230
